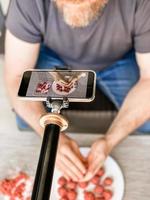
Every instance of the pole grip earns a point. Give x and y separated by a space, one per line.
46 164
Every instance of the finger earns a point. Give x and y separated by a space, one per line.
93 169
72 167
90 156
63 174
93 165
87 177
76 161
93 157
68 169
60 168
70 84
71 79
66 177
78 153
65 170
64 82
83 160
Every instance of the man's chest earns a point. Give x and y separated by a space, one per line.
104 41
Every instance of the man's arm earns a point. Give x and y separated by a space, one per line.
136 107
133 113
21 56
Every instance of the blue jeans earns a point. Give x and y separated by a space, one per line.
115 81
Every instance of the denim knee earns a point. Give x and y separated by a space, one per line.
145 128
22 125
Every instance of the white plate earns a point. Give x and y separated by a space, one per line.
112 170
54 88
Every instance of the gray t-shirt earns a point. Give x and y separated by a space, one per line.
124 24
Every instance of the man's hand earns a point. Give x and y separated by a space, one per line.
96 157
69 159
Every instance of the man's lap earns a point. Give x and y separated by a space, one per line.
115 81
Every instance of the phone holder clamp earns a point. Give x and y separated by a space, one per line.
57 105
55 117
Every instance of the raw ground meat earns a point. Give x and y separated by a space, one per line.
62 192
101 172
43 87
68 190
95 180
99 189
83 185
72 195
108 181
72 185
89 196
18 187
107 194
63 88
62 181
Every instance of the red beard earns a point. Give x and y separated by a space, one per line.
79 13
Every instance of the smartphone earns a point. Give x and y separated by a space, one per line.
75 85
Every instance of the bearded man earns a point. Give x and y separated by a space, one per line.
111 37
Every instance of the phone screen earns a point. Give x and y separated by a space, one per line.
57 84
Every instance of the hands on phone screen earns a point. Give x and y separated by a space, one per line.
57 76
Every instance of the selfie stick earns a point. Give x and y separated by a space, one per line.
54 123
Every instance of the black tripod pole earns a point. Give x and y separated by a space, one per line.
45 169
53 123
